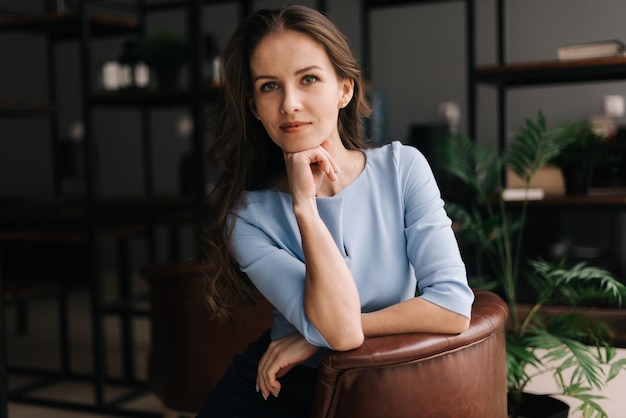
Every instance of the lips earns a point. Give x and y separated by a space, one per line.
292 127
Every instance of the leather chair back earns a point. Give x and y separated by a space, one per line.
396 376
421 375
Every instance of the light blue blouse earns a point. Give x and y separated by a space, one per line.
390 226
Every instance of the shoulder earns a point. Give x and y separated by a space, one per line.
403 157
267 209
265 200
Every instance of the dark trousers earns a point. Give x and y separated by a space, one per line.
235 395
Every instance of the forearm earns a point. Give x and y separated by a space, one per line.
413 315
331 299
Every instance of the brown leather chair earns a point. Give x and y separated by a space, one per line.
410 375
421 375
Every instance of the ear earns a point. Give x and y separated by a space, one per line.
253 108
347 91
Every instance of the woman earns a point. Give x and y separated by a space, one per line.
335 234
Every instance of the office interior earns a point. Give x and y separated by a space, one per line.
418 57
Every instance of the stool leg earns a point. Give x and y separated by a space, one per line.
21 317
64 337
125 318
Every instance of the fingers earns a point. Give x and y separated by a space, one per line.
317 161
281 356
267 373
330 167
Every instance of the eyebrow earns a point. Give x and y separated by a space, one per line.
303 70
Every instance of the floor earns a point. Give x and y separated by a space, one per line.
39 349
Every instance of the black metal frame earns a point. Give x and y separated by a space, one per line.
367 6
195 99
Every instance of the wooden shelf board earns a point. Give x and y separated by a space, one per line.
553 72
69 236
386 3
610 198
150 97
58 220
68 25
15 108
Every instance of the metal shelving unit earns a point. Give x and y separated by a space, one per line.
91 219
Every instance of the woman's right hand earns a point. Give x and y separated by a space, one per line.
281 356
306 170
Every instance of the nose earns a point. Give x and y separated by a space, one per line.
291 101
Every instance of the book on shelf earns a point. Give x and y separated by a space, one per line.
598 49
520 194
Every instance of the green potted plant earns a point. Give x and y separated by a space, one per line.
582 149
165 53
572 346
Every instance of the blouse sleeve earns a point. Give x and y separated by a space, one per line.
431 244
277 273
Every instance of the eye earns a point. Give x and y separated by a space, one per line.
310 79
270 86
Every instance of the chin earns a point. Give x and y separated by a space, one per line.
297 145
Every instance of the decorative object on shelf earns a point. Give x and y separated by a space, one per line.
118 76
60 6
69 163
450 112
133 72
597 49
187 166
573 346
581 149
165 53
212 59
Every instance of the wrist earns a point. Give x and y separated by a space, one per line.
305 209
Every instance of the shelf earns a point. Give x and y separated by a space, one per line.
553 72
151 97
65 236
60 220
24 108
68 25
386 3
599 198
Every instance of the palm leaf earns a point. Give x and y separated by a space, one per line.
589 407
534 147
476 166
616 368
571 355
577 284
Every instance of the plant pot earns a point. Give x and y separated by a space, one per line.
538 406
576 180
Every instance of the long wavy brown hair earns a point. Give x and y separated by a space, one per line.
242 149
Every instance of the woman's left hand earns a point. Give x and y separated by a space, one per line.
281 356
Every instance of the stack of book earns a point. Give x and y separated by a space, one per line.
599 49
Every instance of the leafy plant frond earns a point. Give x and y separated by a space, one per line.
572 346
570 355
476 166
616 368
576 284
532 149
589 407
518 358
580 326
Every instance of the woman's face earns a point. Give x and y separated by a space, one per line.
296 92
